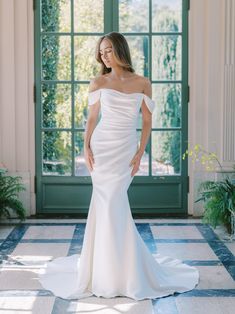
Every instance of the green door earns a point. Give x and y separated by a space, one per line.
66 32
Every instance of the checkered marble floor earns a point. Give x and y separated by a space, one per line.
190 240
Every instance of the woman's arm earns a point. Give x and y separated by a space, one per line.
90 126
146 129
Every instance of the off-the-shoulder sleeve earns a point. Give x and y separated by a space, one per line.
149 102
93 97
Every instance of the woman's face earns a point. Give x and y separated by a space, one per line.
106 53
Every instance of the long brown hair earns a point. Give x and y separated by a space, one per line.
121 52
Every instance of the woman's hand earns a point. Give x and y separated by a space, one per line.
89 159
136 162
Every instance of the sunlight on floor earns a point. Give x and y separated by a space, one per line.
113 306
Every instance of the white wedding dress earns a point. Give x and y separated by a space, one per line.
114 259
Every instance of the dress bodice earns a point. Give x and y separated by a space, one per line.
119 109
111 96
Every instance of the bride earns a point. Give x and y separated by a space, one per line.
114 259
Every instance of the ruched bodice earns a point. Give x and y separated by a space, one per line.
119 109
116 130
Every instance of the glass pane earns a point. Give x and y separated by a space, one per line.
56 105
167 112
166 57
166 15
166 148
86 65
56 153
56 15
81 105
80 165
134 16
144 163
139 50
56 57
89 16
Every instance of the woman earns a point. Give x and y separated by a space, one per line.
114 259
116 73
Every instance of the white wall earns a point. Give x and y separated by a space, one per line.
16 93
211 78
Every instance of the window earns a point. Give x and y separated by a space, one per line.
66 33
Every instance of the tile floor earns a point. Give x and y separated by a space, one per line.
187 239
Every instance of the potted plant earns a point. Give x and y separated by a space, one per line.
218 196
9 189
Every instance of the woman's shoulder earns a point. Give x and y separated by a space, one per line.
96 82
143 82
140 79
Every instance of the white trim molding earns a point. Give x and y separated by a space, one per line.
229 86
17 123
